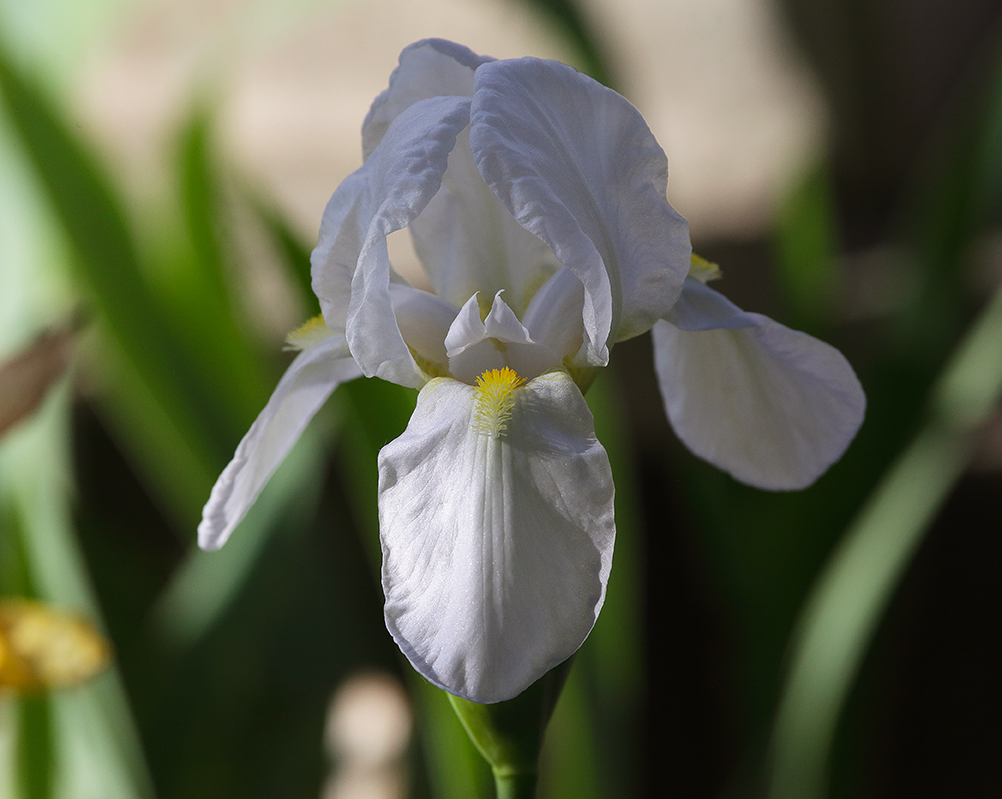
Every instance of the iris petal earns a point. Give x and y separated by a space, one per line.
771 406
304 387
490 586
498 341
465 238
424 321
553 318
385 194
576 164
468 241
428 68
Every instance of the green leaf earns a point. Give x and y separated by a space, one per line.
92 720
455 768
104 250
292 253
806 252
197 297
35 753
205 584
611 663
851 595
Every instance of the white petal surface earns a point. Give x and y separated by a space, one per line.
428 68
304 387
385 194
771 406
467 328
342 231
496 550
424 321
701 308
502 324
553 318
468 241
465 238
576 164
500 340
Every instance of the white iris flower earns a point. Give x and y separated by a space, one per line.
536 202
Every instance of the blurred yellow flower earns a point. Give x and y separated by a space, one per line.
42 647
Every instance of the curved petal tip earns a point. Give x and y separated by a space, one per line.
304 387
773 407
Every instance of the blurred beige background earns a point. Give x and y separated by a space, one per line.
719 85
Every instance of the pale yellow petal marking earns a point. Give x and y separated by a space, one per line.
495 398
308 334
702 270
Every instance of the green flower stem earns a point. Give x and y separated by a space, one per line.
510 734
515 786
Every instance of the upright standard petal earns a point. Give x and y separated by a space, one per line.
428 68
343 228
576 164
771 406
468 241
497 532
390 189
304 387
465 238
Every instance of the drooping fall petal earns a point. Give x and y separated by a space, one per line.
304 387
497 533
771 406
